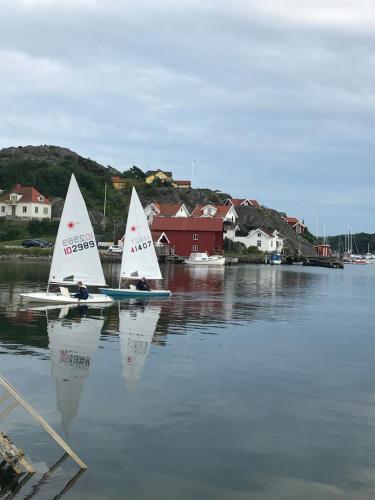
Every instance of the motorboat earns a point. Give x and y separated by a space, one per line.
203 259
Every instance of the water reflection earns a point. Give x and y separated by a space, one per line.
72 343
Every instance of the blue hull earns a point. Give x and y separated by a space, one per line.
125 293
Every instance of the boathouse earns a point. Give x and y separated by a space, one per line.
190 234
323 250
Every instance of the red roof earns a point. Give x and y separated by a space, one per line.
292 220
187 224
236 202
183 183
167 210
29 194
221 211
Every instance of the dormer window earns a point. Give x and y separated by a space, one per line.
209 210
40 197
13 197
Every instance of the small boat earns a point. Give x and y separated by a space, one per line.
275 259
75 256
203 259
138 256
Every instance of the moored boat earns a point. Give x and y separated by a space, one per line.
203 259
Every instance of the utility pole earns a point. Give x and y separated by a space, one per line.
105 199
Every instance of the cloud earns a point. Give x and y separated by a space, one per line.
280 94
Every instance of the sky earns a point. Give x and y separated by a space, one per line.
272 99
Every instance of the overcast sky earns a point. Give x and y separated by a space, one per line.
273 99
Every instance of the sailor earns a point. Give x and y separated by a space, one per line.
143 285
83 293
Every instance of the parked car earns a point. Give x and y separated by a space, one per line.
115 249
36 243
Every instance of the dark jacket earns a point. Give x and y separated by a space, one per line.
83 293
143 285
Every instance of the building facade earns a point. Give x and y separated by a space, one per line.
25 202
264 239
187 235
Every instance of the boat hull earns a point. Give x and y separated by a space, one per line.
57 298
213 262
125 293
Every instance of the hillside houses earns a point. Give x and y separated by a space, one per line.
25 202
296 224
173 226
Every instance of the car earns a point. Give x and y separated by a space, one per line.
36 243
115 249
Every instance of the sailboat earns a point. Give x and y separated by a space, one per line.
75 256
138 255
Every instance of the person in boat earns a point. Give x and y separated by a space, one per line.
143 285
83 293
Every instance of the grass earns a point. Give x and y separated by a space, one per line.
27 252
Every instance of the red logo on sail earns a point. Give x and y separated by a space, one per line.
71 225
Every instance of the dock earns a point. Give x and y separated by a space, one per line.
330 262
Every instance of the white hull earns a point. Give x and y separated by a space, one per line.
209 262
57 298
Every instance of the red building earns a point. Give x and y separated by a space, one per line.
187 235
323 250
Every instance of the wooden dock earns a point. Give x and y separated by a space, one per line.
330 262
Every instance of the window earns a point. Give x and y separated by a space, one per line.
271 243
45 210
195 237
13 197
41 198
195 248
259 243
24 209
259 234
36 210
3 209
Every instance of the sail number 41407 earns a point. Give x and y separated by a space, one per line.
141 246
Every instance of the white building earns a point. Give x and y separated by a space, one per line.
263 239
165 210
26 203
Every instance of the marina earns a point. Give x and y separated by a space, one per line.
227 390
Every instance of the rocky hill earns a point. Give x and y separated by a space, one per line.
49 168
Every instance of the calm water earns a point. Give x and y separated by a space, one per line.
251 382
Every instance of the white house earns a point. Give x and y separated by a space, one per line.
225 212
25 202
165 210
263 239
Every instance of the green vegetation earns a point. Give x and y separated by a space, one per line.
27 252
361 241
21 230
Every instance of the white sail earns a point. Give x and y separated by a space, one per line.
72 346
76 256
139 257
137 327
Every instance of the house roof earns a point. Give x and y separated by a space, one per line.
167 210
268 232
157 235
117 178
153 172
186 224
236 202
183 183
29 194
293 220
221 210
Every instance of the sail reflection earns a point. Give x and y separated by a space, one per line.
137 325
72 344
